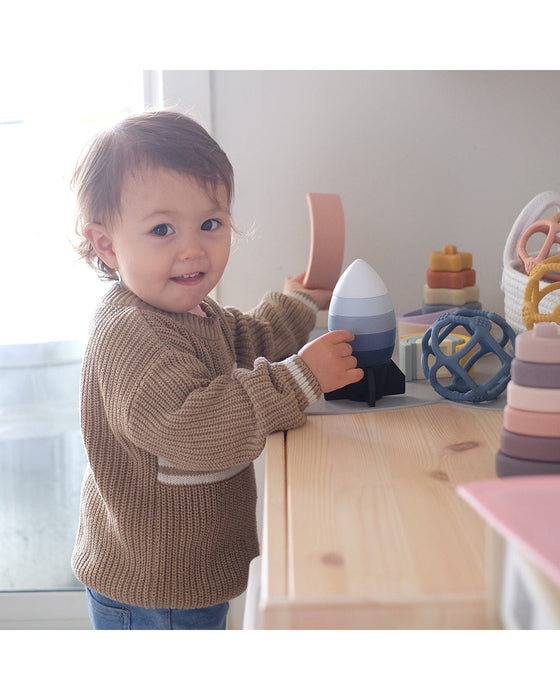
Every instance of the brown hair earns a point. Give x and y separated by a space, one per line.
154 139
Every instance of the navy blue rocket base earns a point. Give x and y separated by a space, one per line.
378 381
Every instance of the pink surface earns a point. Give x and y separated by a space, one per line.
327 241
525 510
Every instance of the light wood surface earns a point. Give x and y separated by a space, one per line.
363 527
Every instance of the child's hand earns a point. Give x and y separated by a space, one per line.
320 296
330 359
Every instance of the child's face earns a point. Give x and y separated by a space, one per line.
171 243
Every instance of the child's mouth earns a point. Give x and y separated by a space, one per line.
188 279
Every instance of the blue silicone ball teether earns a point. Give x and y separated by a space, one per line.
479 324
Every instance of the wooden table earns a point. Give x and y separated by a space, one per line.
363 528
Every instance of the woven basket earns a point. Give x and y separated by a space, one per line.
514 279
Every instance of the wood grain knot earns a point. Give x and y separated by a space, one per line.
462 446
332 559
440 476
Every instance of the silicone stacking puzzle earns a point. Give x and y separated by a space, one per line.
530 438
410 353
450 281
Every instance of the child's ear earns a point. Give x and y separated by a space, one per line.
101 241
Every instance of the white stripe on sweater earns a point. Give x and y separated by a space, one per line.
297 373
182 478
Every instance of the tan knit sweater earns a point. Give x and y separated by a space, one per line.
174 408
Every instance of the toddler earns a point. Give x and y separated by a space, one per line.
177 393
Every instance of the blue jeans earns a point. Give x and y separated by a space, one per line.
107 614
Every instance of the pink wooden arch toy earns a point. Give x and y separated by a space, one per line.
550 227
327 241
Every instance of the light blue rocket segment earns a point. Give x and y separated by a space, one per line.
369 306
363 324
374 341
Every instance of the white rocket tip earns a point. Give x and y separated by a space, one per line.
359 281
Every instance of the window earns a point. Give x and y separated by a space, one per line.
47 299
45 121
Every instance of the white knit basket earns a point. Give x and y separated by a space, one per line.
514 278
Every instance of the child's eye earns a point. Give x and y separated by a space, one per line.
162 230
210 225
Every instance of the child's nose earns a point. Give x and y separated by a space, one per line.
190 246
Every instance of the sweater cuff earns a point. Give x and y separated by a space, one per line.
304 377
305 298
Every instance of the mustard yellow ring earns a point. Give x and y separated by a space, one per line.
534 295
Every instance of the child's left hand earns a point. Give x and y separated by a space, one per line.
321 297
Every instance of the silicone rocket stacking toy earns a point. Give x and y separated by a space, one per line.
450 281
530 438
361 304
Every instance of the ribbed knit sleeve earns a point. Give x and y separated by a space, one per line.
278 327
202 425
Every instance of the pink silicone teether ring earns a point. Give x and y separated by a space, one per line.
550 227
531 423
529 398
542 344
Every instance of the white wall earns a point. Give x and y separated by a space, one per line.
420 159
